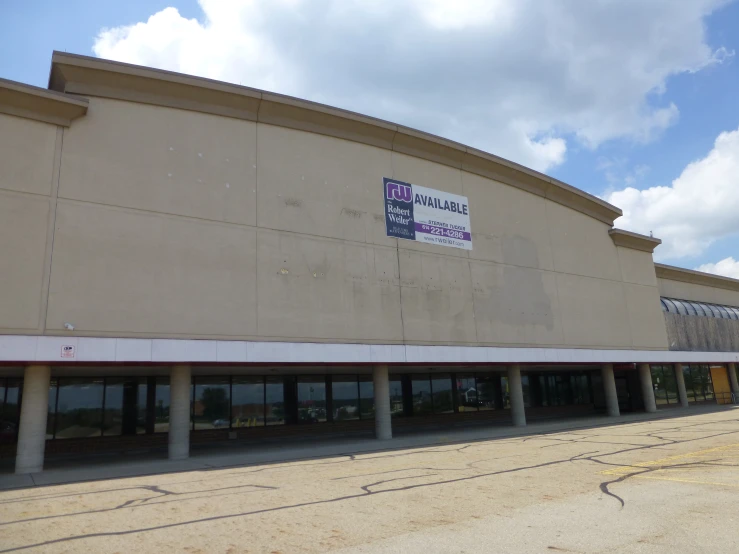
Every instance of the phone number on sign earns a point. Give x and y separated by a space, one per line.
442 232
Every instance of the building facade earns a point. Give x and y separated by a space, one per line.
185 260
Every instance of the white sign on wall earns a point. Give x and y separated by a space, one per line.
426 215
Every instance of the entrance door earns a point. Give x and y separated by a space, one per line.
721 387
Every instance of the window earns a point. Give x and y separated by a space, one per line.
681 309
345 398
275 401
658 383
211 403
467 399
247 402
10 390
366 398
421 391
79 408
580 389
311 399
397 406
490 394
124 406
51 415
441 387
670 305
161 405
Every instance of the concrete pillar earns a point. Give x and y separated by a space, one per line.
680 380
609 386
383 421
180 380
29 456
515 390
647 389
734 383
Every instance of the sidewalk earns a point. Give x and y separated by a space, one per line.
72 471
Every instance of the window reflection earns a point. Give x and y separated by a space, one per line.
9 409
467 398
275 395
345 397
211 403
366 397
311 399
247 404
441 386
421 394
489 389
80 408
397 408
51 414
161 405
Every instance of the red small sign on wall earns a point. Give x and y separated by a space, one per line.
68 351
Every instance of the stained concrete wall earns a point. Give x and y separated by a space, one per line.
172 223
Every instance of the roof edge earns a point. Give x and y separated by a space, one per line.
635 241
29 102
672 273
89 76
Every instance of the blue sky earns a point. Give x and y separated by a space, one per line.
618 99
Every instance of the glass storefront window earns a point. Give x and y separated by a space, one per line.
441 387
345 398
421 391
247 402
9 409
488 387
51 414
311 399
161 405
79 408
275 398
366 397
658 382
467 398
397 408
211 403
113 406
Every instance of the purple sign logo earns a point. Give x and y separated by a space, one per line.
400 192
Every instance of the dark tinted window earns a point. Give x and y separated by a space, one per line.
311 399
442 402
396 396
366 397
247 402
80 408
211 404
161 405
275 393
467 399
421 391
345 397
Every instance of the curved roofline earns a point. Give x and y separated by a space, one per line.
39 104
672 273
88 76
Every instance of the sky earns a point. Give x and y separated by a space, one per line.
634 101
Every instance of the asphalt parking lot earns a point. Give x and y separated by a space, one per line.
667 485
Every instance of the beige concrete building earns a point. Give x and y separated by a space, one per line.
185 260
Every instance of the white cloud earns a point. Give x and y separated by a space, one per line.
698 208
515 77
728 267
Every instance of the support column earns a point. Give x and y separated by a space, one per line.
29 456
647 389
383 422
609 386
515 390
180 380
734 383
680 380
